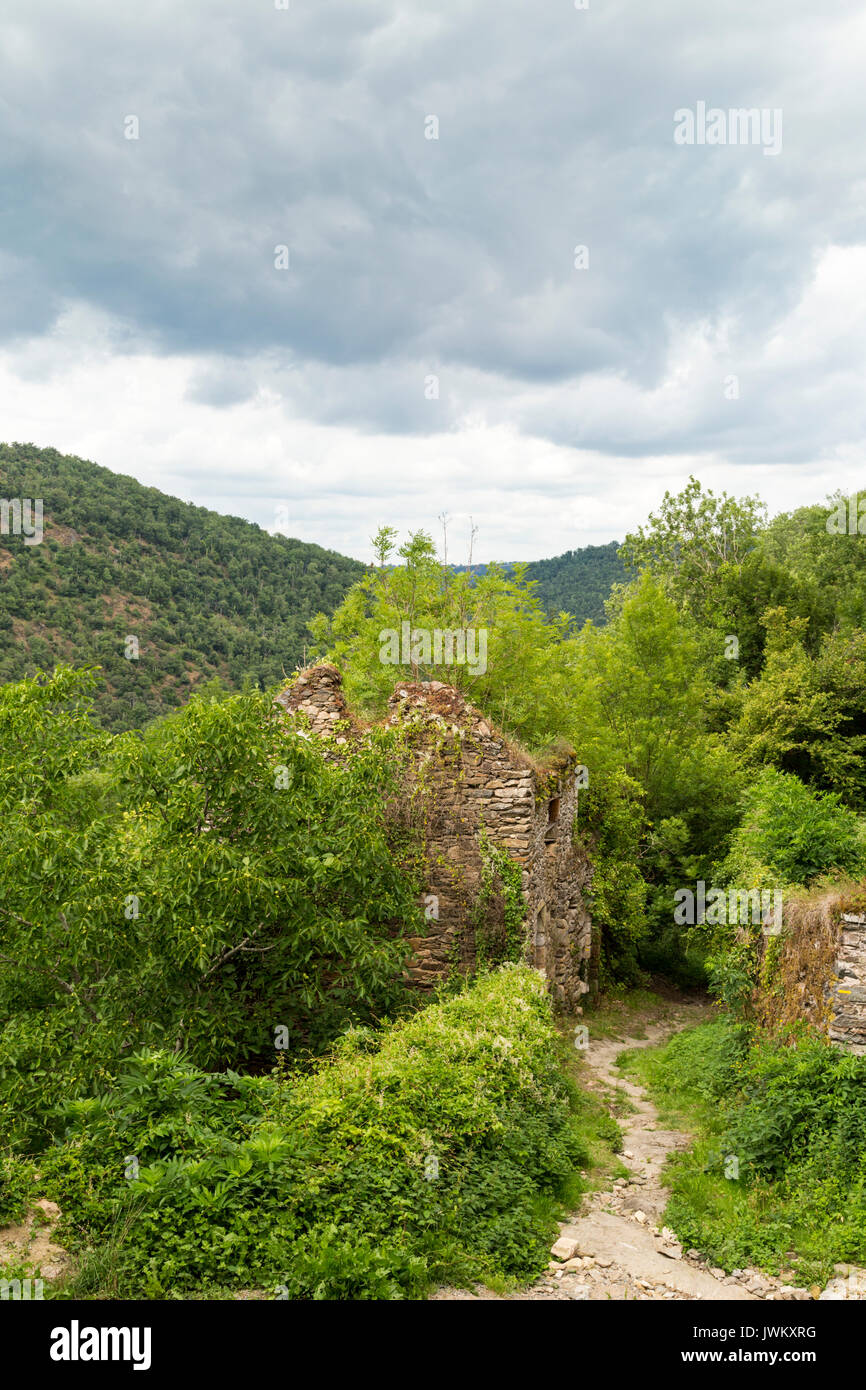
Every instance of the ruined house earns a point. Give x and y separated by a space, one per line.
505 879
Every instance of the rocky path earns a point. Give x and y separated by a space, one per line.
616 1247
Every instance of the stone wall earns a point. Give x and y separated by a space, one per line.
317 694
815 971
847 988
472 788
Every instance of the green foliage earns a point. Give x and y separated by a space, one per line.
578 582
832 561
807 715
792 1114
747 591
638 697
224 881
791 834
695 543
208 596
501 876
434 1151
610 827
519 681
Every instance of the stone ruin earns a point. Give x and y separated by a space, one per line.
497 829
818 971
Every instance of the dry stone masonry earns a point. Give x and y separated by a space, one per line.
816 971
505 878
847 987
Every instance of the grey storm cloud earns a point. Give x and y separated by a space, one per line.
260 127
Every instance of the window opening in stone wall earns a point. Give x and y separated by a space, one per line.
553 810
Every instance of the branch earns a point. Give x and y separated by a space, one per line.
241 946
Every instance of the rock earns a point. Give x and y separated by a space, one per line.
565 1248
851 1285
835 1292
717 1273
855 1277
641 1217
672 1249
603 1262
755 1284
627 1153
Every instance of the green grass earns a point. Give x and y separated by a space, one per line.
624 1011
776 1175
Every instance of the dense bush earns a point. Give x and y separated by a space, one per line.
791 834
434 1149
200 888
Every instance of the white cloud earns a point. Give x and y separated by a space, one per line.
142 322
83 391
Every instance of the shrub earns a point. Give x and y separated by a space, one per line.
793 832
434 1151
203 885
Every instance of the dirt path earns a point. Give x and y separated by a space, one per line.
616 1247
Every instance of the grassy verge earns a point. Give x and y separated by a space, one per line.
776 1176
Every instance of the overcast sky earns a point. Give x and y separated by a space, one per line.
714 323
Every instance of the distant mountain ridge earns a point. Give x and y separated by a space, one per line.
164 595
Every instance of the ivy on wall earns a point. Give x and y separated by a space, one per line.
503 875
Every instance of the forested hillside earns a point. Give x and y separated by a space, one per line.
205 595
578 582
